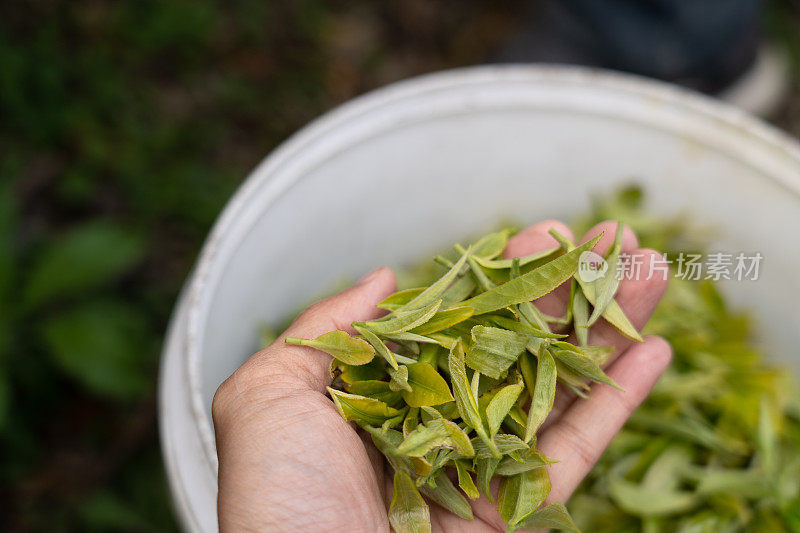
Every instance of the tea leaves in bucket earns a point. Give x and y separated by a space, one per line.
482 362
721 410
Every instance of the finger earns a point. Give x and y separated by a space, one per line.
638 298
564 397
608 229
537 238
291 368
581 435
443 521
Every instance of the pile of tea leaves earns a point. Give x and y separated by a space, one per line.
714 449
460 374
716 446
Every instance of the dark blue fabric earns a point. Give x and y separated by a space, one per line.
705 44
708 41
669 38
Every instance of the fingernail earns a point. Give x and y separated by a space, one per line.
368 277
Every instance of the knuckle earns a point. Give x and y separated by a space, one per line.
235 390
267 375
221 402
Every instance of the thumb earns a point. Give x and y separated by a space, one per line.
283 368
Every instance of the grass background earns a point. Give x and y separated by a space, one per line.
124 127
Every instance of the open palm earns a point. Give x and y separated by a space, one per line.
288 461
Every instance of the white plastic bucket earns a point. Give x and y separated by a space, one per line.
401 172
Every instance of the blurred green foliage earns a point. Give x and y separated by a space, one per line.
124 127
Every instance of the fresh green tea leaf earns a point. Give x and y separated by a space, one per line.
448 496
387 441
532 285
767 438
528 312
408 512
399 379
399 299
501 404
466 400
495 350
411 421
531 459
579 362
444 319
379 346
400 323
484 470
435 291
640 501
458 439
525 328
428 387
505 444
580 314
543 394
434 434
365 410
565 243
351 373
668 470
552 516
465 481
689 429
613 313
599 354
750 484
422 440
520 495
462 391
606 286
491 245
458 291
349 350
379 390
410 341
501 264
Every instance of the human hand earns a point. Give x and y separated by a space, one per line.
288 461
